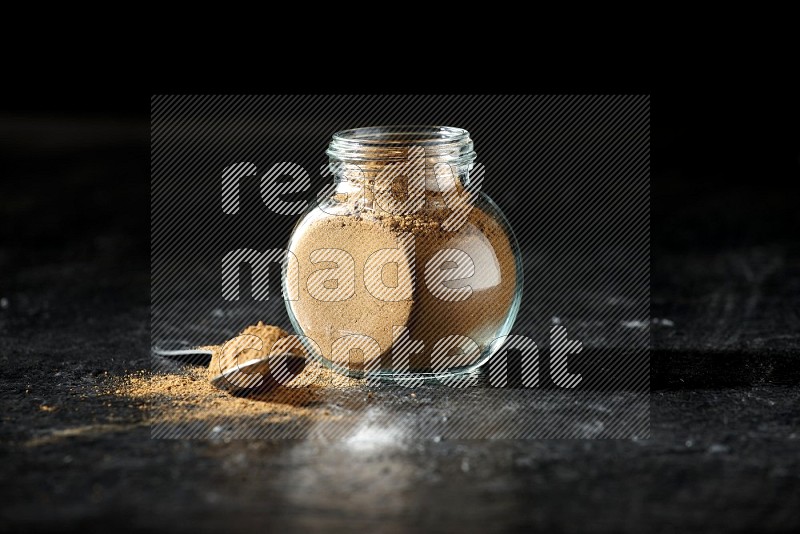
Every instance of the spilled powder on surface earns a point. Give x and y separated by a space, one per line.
187 394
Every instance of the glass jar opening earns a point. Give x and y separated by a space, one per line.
442 144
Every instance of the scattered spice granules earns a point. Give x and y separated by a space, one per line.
186 394
314 375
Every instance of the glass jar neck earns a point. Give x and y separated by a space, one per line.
398 154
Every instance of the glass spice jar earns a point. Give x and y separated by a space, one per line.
404 268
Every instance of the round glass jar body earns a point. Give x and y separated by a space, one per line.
403 268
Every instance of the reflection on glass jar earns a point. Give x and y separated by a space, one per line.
404 268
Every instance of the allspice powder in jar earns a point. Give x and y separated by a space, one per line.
405 269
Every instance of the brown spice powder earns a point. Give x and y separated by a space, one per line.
187 395
313 376
427 317
238 349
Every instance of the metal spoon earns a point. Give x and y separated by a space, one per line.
260 373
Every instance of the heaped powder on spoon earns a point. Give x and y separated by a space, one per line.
268 334
186 394
238 350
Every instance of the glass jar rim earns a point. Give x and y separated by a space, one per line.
392 143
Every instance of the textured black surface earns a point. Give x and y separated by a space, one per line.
725 422
718 458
